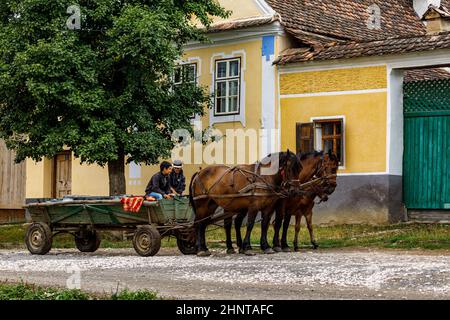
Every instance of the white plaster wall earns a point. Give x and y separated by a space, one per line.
268 133
394 134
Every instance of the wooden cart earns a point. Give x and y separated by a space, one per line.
84 217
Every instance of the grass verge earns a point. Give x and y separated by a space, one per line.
402 236
23 291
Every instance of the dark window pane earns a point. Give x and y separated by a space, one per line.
328 145
221 89
177 75
220 105
221 69
233 88
234 68
339 127
328 128
339 150
233 104
190 73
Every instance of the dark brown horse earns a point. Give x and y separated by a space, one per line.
311 164
302 205
236 189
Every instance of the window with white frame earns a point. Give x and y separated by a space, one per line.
227 84
329 137
185 73
322 134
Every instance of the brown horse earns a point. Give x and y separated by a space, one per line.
311 165
238 188
302 205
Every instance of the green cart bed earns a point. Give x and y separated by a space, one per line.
84 217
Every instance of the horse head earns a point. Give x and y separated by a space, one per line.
328 171
311 165
290 166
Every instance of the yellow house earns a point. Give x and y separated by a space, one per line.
303 75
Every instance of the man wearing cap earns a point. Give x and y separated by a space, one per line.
177 179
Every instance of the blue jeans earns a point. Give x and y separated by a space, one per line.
157 196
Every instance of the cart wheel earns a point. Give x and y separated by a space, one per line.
146 241
186 247
39 238
89 243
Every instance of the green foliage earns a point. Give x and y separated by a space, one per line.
134 295
25 291
104 91
30 292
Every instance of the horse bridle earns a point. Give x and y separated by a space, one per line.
326 178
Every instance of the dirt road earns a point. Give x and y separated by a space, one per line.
321 274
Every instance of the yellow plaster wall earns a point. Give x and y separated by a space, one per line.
253 87
89 179
334 80
365 113
241 9
252 77
39 179
365 126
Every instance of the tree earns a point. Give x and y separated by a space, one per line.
104 91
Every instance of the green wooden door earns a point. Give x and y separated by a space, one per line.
426 157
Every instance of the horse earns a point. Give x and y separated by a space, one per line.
310 166
238 188
302 205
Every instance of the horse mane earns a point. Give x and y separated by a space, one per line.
305 155
333 156
282 158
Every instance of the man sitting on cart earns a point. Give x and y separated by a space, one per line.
159 185
177 179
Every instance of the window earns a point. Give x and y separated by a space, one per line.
185 73
322 135
227 86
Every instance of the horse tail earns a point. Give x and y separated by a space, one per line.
191 191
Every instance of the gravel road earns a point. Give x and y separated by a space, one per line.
321 274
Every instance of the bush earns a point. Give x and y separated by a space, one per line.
134 295
30 292
25 291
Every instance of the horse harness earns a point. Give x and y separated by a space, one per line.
248 191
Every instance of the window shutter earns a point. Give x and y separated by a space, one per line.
305 137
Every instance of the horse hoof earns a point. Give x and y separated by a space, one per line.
297 249
269 251
315 246
287 249
203 253
231 251
249 253
241 251
277 249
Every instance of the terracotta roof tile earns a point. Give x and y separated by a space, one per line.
373 48
242 23
441 11
426 74
347 19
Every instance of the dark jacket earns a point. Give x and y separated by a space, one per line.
178 181
159 183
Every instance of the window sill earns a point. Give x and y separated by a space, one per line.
227 118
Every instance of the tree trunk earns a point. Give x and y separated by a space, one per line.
116 171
